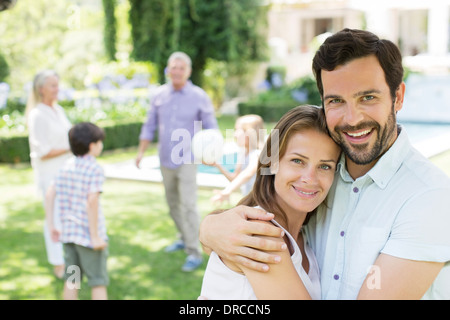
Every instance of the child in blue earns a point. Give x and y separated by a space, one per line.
250 136
77 188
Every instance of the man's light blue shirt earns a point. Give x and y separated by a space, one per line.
401 207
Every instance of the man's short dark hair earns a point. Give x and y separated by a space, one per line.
82 135
350 44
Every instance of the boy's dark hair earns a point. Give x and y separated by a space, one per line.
82 135
349 44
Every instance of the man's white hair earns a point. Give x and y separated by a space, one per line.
178 55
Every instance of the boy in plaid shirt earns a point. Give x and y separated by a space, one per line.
77 189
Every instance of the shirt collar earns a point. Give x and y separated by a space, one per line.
46 108
387 165
182 90
86 157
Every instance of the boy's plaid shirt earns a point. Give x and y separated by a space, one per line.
79 177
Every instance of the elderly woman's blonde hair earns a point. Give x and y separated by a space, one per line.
35 97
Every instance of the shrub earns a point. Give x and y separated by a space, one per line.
4 68
14 149
272 104
270 111
122 135
122 125
13 104
275 76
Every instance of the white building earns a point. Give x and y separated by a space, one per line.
421 29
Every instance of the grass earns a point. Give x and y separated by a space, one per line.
139 228
138 225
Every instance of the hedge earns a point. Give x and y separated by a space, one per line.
269 111
14 149
122 135
272 104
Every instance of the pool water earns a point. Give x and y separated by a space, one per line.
417 132
228 162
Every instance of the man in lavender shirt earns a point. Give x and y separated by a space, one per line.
178 110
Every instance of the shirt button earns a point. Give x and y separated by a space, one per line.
355 190
342 233
336 277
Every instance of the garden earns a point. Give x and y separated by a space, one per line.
115 93
138 225
139 228
109 78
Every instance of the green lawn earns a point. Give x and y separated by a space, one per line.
139 228
138 225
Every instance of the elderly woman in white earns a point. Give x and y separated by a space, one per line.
48 128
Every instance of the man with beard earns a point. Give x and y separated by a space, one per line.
385 232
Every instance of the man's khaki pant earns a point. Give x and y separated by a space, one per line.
180 186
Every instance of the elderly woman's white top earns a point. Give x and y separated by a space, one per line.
48 130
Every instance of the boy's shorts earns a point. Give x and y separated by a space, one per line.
82 260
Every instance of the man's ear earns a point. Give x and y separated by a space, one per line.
399 97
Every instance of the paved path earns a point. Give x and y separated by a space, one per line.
150 172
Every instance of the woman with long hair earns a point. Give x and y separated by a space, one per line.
295 172
48 128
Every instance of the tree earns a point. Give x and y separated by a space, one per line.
4 68
223 30
110 28
60 35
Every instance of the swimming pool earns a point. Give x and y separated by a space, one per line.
420 134
429 138
228 162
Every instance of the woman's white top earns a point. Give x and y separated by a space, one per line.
222 283
48 129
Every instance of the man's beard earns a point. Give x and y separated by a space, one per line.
361 154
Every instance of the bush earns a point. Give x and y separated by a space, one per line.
13 104
4 68
122 135
121 122
270 111
14 149
308 88
275 76
272 104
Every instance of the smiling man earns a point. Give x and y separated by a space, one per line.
360 111
385 232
